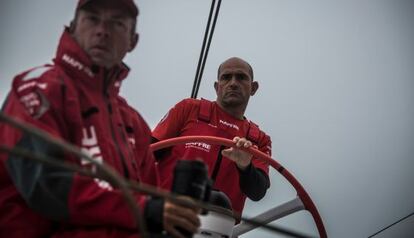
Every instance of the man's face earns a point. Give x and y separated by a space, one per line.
235 84
105 31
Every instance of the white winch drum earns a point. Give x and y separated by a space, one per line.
215 225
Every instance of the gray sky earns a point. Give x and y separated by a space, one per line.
336 91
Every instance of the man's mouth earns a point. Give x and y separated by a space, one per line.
233 93
100 48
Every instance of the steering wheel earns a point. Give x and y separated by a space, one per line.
301 202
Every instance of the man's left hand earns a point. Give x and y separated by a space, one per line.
240 157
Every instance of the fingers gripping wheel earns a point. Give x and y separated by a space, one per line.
303 201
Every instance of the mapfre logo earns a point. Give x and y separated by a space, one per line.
198 145
91 147
76 64
228 124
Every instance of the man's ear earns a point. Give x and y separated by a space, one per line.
255 86
134 41
216 86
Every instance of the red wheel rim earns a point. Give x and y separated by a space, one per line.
301 192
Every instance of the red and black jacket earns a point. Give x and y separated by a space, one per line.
79 103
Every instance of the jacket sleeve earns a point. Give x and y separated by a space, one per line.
58 194
171 125
174 121
253 182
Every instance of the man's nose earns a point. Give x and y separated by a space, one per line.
233 81
103 28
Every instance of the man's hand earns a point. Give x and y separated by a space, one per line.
240 157
175 216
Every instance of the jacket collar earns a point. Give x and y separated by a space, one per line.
77 64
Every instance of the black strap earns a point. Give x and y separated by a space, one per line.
217 165
204 112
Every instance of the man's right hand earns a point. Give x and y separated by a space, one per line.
175 216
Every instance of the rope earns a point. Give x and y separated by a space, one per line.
204 50
389 226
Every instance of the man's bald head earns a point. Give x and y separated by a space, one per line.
234 61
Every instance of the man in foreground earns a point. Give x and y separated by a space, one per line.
76 99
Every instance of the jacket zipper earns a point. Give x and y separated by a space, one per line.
117 146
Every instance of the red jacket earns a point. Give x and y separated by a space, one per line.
70 100
201 117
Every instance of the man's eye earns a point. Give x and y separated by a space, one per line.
241 77
226 77
120 23
92 18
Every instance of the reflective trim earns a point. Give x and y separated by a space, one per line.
36 73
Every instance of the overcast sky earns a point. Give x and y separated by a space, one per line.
336 91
